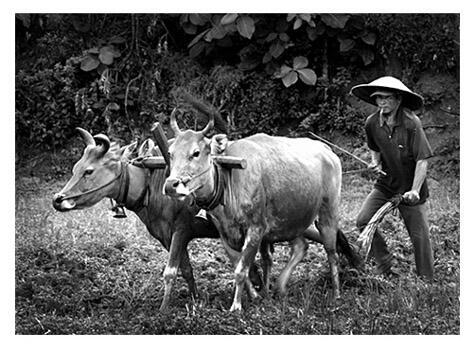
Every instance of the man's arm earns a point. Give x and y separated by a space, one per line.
375 164
420 174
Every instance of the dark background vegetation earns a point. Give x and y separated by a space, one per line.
283 74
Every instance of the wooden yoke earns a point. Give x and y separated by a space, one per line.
161 140
161 162
230 162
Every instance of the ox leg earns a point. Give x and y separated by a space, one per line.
329 233
177 259
241 273
266 254
187 272
299 248
254 275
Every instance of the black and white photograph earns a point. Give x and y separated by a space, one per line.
236 173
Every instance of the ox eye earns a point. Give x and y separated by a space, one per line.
88 172
196 154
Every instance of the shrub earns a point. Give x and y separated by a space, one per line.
45 105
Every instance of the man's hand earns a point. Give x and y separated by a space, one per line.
376 168
411 197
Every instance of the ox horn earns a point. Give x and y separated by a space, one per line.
103 142
208 126
173 123
86 136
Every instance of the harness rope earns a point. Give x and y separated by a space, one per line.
217 195
97 188
124 178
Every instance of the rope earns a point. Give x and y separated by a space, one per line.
365 239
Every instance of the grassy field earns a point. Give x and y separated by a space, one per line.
85 272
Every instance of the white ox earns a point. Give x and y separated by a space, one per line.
105 171
289 184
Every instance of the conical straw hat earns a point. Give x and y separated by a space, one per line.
411 100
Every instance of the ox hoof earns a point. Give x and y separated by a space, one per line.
281 288
336 296
236 308
164 309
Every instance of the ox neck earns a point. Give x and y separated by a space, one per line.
132 187
211 194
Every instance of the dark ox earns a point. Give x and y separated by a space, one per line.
103 171
289 185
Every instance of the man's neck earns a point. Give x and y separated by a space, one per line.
389 118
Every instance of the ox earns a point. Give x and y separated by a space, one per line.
104 171
289 185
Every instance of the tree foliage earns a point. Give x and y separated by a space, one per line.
265 72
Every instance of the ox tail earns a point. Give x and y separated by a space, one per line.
220 124
344 247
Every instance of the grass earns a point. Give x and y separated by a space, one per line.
85 272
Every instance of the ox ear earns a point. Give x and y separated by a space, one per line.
209 127
219 143
127 151
103 142
146 148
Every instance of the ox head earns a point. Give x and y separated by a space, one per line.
190 160
94 174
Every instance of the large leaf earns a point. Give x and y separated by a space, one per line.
276 49
284 70
199 19
116 53
229 18
267 57
312 33
271 37
320 28
89 63
300 62
93 50
337 21
248 64
198 38
189 28
197 49
346 44
290 78
307 17
307 75
113 106
369 38
291 16
298 23
366 55
217 32
245 26
106 55
284 37
81 26
117 40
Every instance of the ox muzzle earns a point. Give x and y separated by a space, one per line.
175 187
61 203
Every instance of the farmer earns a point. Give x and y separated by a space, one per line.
399 148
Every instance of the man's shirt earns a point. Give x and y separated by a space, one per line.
400 146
